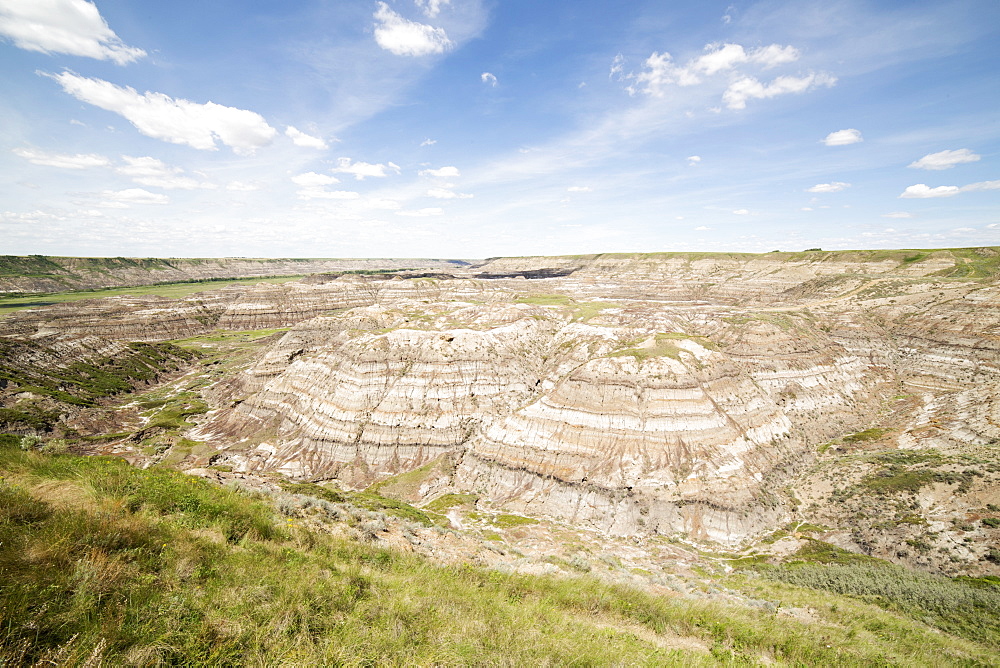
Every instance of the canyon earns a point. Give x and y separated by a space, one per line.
747 403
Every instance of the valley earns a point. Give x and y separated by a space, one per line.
658 420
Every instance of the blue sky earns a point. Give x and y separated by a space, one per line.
468 128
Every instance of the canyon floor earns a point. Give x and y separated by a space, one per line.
658 421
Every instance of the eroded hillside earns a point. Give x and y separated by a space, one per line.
38 273
745 401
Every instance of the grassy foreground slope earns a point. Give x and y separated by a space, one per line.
103 563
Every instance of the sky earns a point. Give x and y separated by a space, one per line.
480 128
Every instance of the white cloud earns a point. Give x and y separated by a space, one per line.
922 191
982 185
843 137
702 228
300 138
176 121
488 78
945 159
742 212
897 214
693 160
78 161
121 199
834 187
421 213
360 170
773 55
661 70
443 193
428 142
242 186
445 172
431 7
579 189
312 179
151 172
73 27
806 208
740 91
407 38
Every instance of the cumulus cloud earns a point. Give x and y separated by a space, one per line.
742 212
923 191
147 171
428 142
121 199
444 193
693 160
945 159
488 78
407 38
176 121
300 138
897 214
361 170
431 7
579 189
834 187
740 91
702 228
73 27
64 161
444 172
843 137
421 213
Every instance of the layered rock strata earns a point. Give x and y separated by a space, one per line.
632 395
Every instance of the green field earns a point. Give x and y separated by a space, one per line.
11 303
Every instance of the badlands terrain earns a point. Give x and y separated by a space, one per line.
654 418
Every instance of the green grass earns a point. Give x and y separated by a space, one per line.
170 414
952 605
545 300
26 366
104 564
867 435
584 311
505 521
447 501
367 499
228 336
662 348
11 303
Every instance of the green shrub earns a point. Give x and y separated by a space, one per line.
949 604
